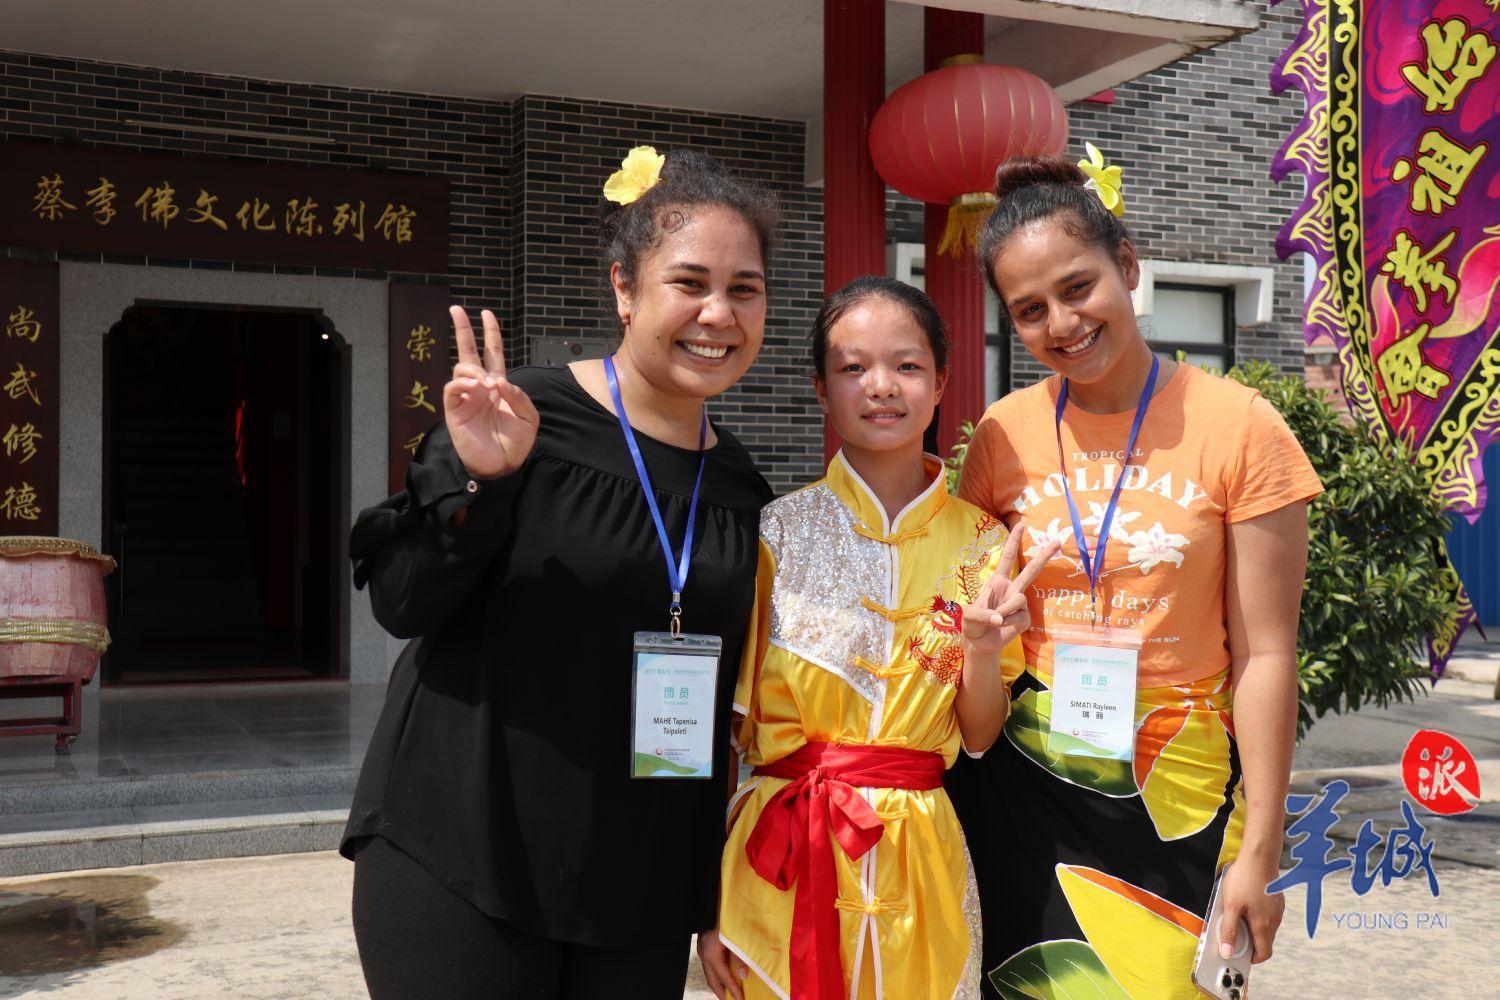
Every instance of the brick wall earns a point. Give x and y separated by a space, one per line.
904 218
565 150
1196 139
525 186
48 99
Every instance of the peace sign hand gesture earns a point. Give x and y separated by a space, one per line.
492 421
999 614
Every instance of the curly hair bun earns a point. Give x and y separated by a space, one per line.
1028 171
1029 189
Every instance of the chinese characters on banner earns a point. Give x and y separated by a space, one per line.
420 333
29 411
150 204
1401 148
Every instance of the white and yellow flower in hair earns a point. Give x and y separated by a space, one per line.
638 173
1104 180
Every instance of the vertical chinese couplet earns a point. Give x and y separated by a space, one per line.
419 367
29 416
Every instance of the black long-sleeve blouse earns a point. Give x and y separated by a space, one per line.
501 758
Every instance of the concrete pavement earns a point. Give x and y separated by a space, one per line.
276 927
267 928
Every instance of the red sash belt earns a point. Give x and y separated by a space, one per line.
790 841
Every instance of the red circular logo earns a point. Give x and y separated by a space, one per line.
1440 773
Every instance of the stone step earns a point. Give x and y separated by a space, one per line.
1480 667
20 798
37 843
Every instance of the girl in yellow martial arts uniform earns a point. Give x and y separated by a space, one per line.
885 625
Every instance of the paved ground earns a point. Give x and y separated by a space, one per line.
269 928
278 927
196 929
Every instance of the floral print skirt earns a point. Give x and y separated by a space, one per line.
1095 875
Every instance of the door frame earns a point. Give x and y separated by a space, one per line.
335 556
94 296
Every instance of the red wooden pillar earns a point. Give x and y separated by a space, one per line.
853 193
956 285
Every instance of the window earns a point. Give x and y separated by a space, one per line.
1197 320
1195 308
996 349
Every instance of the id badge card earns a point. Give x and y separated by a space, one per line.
672 703
1093 693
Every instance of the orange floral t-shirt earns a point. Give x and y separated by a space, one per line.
1211 452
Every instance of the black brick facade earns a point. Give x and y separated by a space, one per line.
565 150
525 176
1197 138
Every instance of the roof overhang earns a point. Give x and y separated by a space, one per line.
761 59
1082 46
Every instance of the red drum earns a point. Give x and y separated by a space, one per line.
52 613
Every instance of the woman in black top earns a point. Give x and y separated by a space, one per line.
501 846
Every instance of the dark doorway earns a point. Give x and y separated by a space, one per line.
223 450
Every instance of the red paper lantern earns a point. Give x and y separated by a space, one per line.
939 138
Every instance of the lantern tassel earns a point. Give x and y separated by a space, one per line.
967 215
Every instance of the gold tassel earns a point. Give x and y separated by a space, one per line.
967 215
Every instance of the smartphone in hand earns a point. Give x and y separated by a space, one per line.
1222 978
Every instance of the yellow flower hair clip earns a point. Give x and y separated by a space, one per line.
1104 180
638 173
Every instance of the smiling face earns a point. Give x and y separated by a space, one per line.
881 383
1070 301
695 315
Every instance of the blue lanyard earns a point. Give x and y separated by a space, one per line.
1093 567
677 573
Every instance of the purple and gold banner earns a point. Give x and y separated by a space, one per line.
1399 146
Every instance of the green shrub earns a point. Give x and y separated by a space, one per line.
957 454
1373 591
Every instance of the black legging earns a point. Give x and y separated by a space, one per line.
418 940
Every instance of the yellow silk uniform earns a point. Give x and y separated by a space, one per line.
856 639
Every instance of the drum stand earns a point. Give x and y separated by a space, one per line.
65 728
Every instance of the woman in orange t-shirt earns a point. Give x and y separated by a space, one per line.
1097 835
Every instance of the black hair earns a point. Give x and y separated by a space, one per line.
1030 188
688 179
871 286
